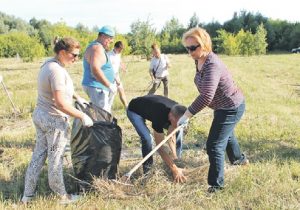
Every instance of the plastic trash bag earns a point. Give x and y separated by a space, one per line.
95 150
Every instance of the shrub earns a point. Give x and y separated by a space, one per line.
19 43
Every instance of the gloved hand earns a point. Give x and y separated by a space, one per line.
86 120
184 119
1 78
112 88
82 101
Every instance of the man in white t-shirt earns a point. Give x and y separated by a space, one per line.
159 70
116 61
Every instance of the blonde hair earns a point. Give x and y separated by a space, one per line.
201 36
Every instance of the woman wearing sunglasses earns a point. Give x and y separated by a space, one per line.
217 91
51 116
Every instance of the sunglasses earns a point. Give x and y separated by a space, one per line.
74 54
192 48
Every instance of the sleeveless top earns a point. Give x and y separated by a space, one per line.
89 79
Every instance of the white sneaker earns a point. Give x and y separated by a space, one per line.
70 198
26 199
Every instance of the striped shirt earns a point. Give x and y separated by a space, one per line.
216 87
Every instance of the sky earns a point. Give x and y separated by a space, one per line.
122 13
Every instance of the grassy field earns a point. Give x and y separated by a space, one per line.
269 134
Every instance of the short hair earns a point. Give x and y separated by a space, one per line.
201 36
154 46
119 44
178 110
66 43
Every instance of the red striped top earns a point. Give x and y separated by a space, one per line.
216 86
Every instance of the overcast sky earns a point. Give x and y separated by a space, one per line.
121 13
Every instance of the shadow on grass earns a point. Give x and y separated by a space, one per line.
297 88
13 187
264 150
27 143
256 149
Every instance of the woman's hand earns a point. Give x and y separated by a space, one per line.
86 120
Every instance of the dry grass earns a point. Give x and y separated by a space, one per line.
269 134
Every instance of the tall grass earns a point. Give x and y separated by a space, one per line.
268 133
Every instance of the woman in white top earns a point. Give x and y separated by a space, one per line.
51 116
159 70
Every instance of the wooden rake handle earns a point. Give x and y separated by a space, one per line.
128 174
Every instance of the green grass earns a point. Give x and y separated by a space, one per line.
268 133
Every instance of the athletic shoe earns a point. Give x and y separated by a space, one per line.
213 189
70 198
242 161
26 199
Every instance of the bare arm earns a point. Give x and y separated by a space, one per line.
76 96
98 59
63 106
177 172
122 95
172 142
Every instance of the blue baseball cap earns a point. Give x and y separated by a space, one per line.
107 30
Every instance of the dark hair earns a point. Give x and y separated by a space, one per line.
178 110
119 44
66 43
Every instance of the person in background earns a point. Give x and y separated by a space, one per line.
217 91
115 59
158 70
164 114
51 117
98 76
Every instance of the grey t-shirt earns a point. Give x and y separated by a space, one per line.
159 66
52 77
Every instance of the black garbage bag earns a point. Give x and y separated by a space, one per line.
95 150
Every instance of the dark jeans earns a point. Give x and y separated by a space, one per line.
146 140
156 85
221 138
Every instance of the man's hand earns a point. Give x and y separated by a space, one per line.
113 88
179 176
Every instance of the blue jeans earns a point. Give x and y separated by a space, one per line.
221 138
179 142
146 140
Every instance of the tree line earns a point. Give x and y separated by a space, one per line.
245 33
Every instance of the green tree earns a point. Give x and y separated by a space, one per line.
13 24
295 36
142 36
19 43
227 43
260 43
245 42
170 37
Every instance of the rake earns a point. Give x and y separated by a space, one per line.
127 176
5 89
